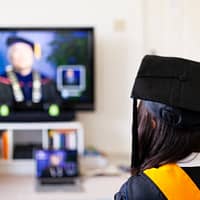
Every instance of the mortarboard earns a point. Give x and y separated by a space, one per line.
169 87
14 39
35 46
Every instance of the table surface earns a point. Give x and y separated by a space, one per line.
22 187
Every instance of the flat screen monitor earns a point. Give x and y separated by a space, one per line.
56 163
45 73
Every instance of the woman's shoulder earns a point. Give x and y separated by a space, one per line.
139 187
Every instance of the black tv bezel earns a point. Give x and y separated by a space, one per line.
66 115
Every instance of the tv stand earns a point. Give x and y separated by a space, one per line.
32 133
38 117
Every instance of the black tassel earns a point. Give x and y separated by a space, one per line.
135 153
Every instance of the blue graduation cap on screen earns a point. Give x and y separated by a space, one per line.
15 39
35 46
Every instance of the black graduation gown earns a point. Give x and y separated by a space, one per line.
141 187
49 91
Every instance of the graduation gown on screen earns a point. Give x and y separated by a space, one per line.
48 88
54 171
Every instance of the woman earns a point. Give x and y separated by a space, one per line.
168 131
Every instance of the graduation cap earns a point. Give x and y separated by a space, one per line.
170 88
35 46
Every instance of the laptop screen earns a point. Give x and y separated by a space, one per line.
56 163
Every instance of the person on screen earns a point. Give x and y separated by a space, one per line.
21 83
71 78
55 168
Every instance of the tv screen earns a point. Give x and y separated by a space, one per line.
45 73
56 163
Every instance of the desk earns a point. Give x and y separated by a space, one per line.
22 187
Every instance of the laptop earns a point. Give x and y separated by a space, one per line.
57 168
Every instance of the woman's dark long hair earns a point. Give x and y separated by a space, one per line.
160 143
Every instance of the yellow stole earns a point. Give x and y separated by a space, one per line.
174 183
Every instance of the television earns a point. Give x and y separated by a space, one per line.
46 74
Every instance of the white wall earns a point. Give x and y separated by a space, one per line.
171 27
118 54
163 22
191 30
